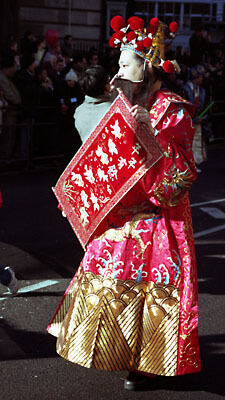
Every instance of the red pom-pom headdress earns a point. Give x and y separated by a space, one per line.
117 23
148 43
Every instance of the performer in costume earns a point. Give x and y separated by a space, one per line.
133 303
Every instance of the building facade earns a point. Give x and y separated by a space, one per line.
189 15
89 21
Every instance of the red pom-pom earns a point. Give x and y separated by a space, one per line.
147 42
168 67
119 35
111 42
117 23
141 24
151 29
173 27
131 19
154 22
131 36
140 45
115 37
136 23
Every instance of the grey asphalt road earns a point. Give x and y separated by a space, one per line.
40 244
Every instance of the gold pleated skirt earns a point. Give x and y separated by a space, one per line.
111 324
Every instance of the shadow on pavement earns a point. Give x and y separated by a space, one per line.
42 345
20 344
211 379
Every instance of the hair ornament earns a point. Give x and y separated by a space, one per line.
147 42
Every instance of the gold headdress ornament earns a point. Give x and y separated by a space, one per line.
148 43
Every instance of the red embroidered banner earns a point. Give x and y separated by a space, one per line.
114 157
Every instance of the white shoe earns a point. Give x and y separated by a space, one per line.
198 170
13 285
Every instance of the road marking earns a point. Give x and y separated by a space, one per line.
32 288
209 241
208 231
207 202
215 255
213 212
37 286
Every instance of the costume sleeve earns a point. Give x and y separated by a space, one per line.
169 179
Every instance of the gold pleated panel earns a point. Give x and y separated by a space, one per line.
56 325
122 325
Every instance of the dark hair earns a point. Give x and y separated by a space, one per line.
40 69
11 42
93 81
59 59
78 57
27 33
8 62
66 37
27 60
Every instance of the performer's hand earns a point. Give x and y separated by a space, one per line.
142 116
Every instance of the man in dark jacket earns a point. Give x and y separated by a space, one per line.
12 111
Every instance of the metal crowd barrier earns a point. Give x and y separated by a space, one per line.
217 112
29 129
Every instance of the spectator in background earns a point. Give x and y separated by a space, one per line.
47 110
96 88
12 50
195 93
60 67
198 46
67 46
71 97
40 50
174 84
52 55
79 64
26 84
183 75
10 117
182 56
110 61
25 81
68 62
57 74
93 58
218 90
28 44
45 89
3 105
170 54
218 78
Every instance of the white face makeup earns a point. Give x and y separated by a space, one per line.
129 67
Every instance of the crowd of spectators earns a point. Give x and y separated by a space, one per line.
39 89
39 92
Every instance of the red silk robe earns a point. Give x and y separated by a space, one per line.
133 303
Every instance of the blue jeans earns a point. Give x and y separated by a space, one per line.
5 276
